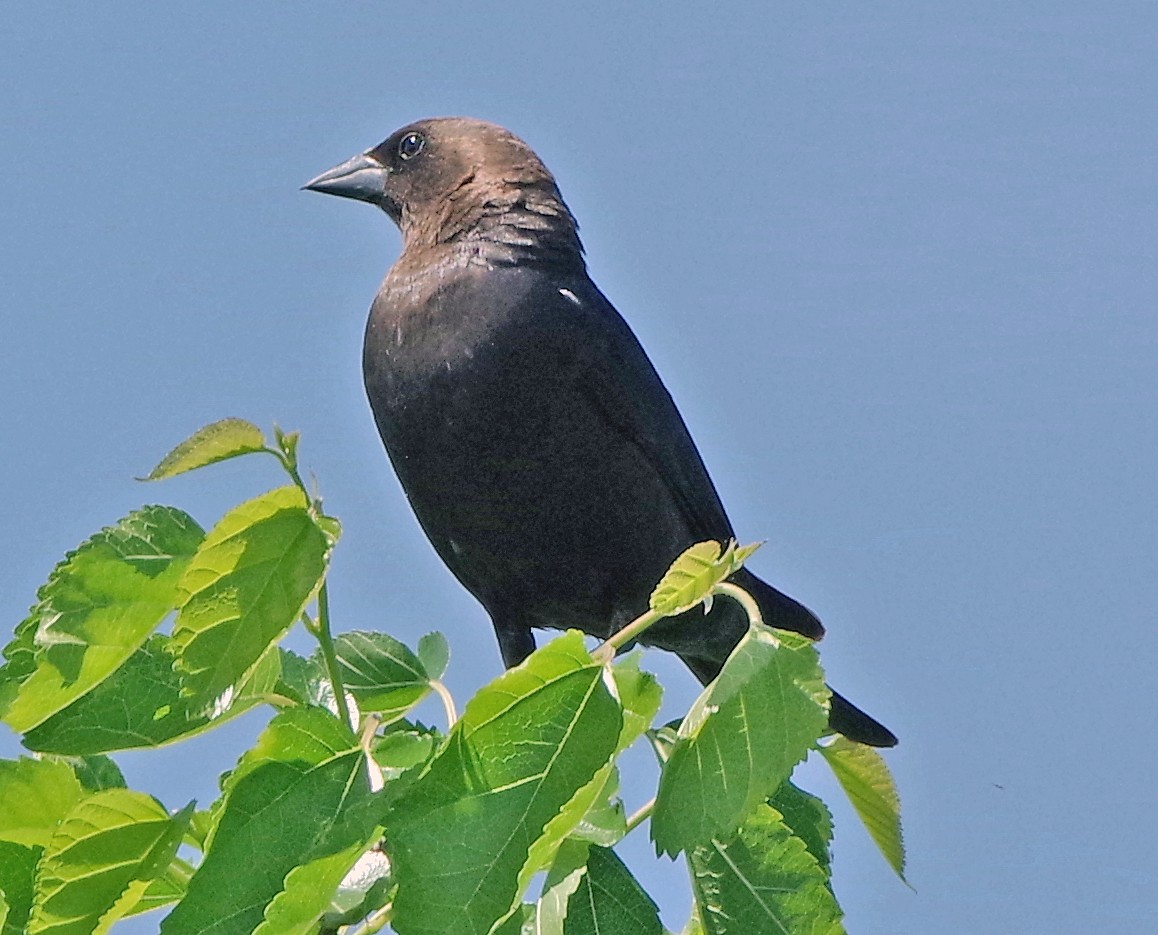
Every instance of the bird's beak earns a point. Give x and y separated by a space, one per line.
362 177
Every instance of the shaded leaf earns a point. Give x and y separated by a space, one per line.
808 818
247 584
367 887
278 817
589 891
605 821
101 859
218 441
17 872
762 882
866 780
141 705
99 605
460 837
741 739
308 892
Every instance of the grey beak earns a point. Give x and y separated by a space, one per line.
362 177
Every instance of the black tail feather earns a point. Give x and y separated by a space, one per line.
846 718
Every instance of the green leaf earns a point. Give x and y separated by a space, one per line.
101 859
98 606
808 818
17 872
278 817
250 580
763 880
589 891
141 705
219 441
521 922
460 837
741 739
164 889
304 680
381 673
96 773
434 653
306 735
20 656
604 823
35 796
402 748
869 785
691 577
300 796
309 890
366 888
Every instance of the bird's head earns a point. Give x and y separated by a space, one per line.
456 180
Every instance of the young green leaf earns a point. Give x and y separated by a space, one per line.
35 795
381 673
741 739
460 837
691 577
141 705
101 859
98 606
762 882
219 441
589 891
250 580
869 785
434 653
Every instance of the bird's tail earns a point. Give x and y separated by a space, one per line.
846 718
782 612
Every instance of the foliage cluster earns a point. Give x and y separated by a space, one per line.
348 815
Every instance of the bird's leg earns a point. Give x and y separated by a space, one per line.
516 643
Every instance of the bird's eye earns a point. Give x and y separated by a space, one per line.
411 145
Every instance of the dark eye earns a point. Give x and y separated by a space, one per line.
411 145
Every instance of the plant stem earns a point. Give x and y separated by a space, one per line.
447 702
607 649
326 641
640 816
745 600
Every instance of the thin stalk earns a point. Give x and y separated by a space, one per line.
608 648
640 816
326 641
745 600
447 702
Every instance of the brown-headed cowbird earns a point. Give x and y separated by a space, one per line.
534 439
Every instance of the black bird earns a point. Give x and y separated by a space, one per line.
533 437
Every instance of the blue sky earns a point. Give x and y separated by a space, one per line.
896 262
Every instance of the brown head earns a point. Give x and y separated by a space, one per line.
464 185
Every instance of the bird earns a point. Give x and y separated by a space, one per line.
537 445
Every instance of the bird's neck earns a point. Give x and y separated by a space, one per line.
521 225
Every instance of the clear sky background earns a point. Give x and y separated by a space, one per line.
895 261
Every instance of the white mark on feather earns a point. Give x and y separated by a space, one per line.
568 294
